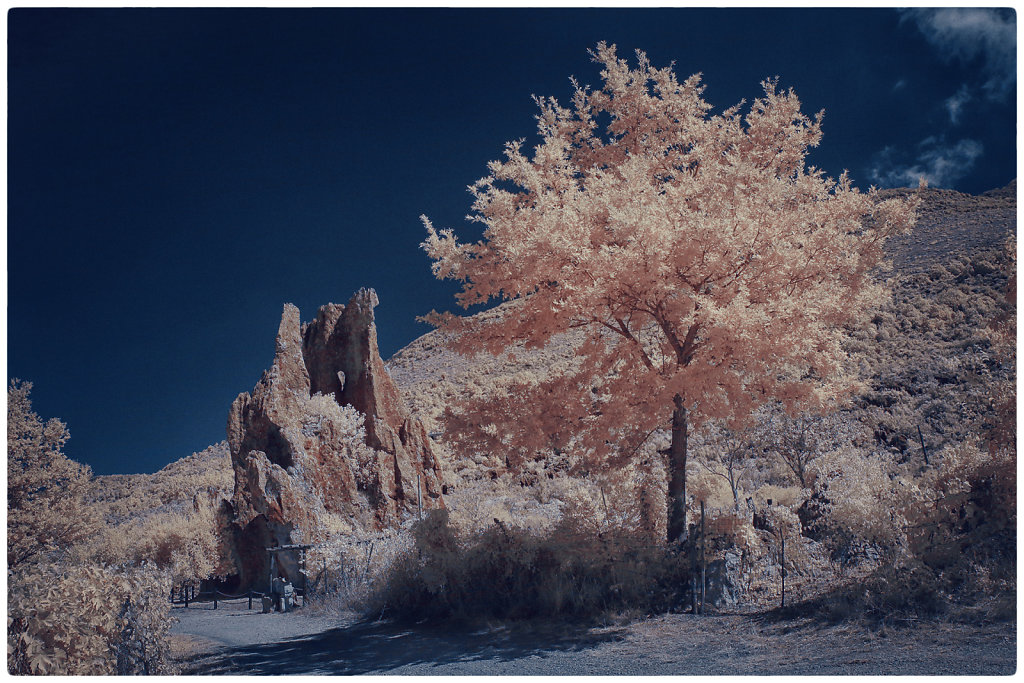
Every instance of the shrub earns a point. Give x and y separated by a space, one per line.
510 573
190 541
861 501
972 506
87 619
345 570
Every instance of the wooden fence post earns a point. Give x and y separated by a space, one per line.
273 568
924 450
250 598
419 499
693 586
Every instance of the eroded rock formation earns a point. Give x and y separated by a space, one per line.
298 452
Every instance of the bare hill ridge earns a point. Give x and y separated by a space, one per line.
953 223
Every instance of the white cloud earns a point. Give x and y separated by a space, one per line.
955 104
938 162
974 33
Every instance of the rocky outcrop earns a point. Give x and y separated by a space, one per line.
299 453
724 580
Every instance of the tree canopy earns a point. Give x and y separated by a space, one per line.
45 489
707 268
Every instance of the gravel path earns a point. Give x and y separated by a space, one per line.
234 641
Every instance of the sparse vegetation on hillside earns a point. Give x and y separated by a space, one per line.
926 355
172 520
125 496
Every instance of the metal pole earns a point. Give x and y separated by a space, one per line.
703 560
250 599
782 563
692 543
369 554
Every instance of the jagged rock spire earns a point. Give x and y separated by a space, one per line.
288 473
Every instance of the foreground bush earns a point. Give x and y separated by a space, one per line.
64 616
511 573
87 619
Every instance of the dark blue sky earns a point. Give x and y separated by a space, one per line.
175 176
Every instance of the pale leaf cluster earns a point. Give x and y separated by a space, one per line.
87 620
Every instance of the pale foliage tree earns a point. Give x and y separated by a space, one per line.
65 616
706 267
46 511
726 454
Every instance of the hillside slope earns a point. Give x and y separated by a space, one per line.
172 489
906 351
952 223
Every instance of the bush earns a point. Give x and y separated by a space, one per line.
345 570
510 573
189 541
87 619
972 496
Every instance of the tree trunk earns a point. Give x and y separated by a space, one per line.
677 474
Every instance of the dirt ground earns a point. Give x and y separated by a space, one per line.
233 640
